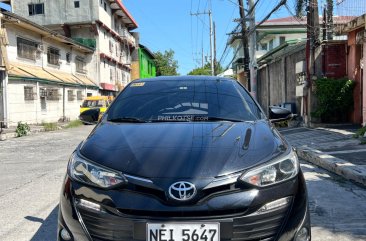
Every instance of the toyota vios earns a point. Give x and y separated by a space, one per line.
184 159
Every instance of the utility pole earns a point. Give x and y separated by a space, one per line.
311 44
244 41
214 49
252 49
211 48
211 36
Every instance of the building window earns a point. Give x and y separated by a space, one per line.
79 95
111 46
282 40
80 65
77 4
105 6
111 75
53 56
36 8
271 44
70 95
26 48
53 94
29 93
68 58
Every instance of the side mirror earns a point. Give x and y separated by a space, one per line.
277 114
90 116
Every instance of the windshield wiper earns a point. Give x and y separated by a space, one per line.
216 118
127 119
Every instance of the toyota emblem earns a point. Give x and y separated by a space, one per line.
182 191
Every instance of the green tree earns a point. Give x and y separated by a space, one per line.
206 70
165 63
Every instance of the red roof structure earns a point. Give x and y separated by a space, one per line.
122 11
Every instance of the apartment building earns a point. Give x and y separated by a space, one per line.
44 75
104 25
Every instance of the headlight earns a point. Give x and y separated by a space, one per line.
93 174
277 171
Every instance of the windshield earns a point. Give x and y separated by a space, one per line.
184 100
93 103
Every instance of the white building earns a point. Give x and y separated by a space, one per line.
45 75
101 24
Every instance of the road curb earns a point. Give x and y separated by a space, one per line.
10 135
333 164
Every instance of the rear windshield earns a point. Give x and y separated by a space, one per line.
93 103
185 100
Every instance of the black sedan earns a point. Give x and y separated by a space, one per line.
184 159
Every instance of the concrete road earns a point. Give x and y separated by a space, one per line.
31 172
32 169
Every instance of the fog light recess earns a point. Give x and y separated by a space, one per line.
65 235
89 205
275 204
302 235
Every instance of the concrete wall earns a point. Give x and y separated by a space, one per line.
276 41
147 65
55 10
30 111
276 81
354 73
13 32
364 84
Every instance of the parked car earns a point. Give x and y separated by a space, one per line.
96 105
184 159
101 102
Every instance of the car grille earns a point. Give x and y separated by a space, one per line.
107 227
252 227
258 227
183 214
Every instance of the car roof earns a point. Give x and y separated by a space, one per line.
185 77
97 98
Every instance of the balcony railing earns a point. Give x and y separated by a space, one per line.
89 42
127 36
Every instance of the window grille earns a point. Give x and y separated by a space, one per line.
26 49
79 95
53 56
53 94
70 95
80 65
29 93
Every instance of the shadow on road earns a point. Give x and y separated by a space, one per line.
337 206
48 229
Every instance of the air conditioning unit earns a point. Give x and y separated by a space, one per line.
40 47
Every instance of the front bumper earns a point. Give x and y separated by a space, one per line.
115 223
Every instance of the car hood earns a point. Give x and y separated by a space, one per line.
182 149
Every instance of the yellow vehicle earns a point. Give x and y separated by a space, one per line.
101 102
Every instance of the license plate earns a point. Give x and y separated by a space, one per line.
183 232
